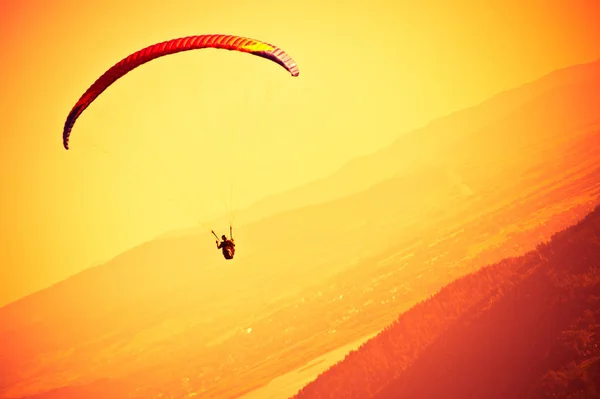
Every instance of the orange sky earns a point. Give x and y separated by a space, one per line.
145 157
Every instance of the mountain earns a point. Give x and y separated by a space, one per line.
425 145
526 327
171 317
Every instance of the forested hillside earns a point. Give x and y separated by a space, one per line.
525 327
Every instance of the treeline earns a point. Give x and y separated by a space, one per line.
527 327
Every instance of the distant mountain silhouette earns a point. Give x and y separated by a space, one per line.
442 201
424 145
526 327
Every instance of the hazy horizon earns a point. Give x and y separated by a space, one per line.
122 183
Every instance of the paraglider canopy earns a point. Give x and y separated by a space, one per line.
127 64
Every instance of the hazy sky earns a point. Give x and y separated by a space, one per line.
152 152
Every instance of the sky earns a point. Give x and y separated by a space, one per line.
187 137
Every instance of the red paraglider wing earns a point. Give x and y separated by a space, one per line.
154 51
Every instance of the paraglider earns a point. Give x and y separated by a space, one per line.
227 245
134 60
